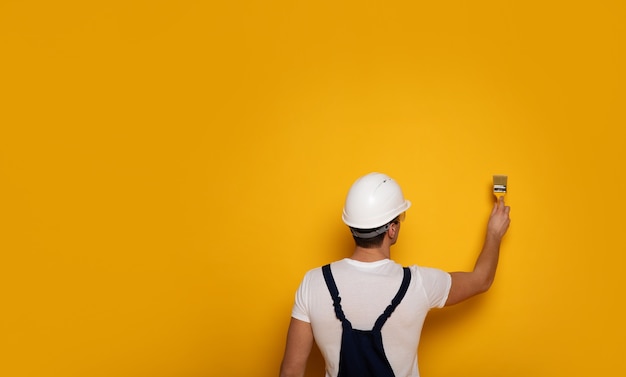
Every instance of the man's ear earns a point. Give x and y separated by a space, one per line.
393 230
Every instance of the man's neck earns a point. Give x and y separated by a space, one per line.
374 254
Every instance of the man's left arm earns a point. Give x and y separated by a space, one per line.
297 350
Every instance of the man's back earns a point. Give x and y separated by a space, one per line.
366 289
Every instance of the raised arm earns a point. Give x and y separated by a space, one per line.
469 284
297 350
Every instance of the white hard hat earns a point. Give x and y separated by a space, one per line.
373 201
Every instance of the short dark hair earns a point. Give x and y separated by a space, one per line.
369 243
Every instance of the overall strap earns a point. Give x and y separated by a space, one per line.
406 280
334 292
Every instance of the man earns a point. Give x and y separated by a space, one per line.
348 326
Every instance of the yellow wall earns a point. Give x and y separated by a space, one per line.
170 170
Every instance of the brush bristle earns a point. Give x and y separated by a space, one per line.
499 183
499 179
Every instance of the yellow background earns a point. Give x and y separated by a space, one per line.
169 170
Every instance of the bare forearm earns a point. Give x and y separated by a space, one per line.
468 284
487 262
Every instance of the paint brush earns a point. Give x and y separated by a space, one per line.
499 185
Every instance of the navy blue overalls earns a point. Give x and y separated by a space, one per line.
362 353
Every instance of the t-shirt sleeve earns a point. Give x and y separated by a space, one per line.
301 306
436 285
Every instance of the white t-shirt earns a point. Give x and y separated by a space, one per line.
366 289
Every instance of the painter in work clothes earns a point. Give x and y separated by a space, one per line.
369 280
